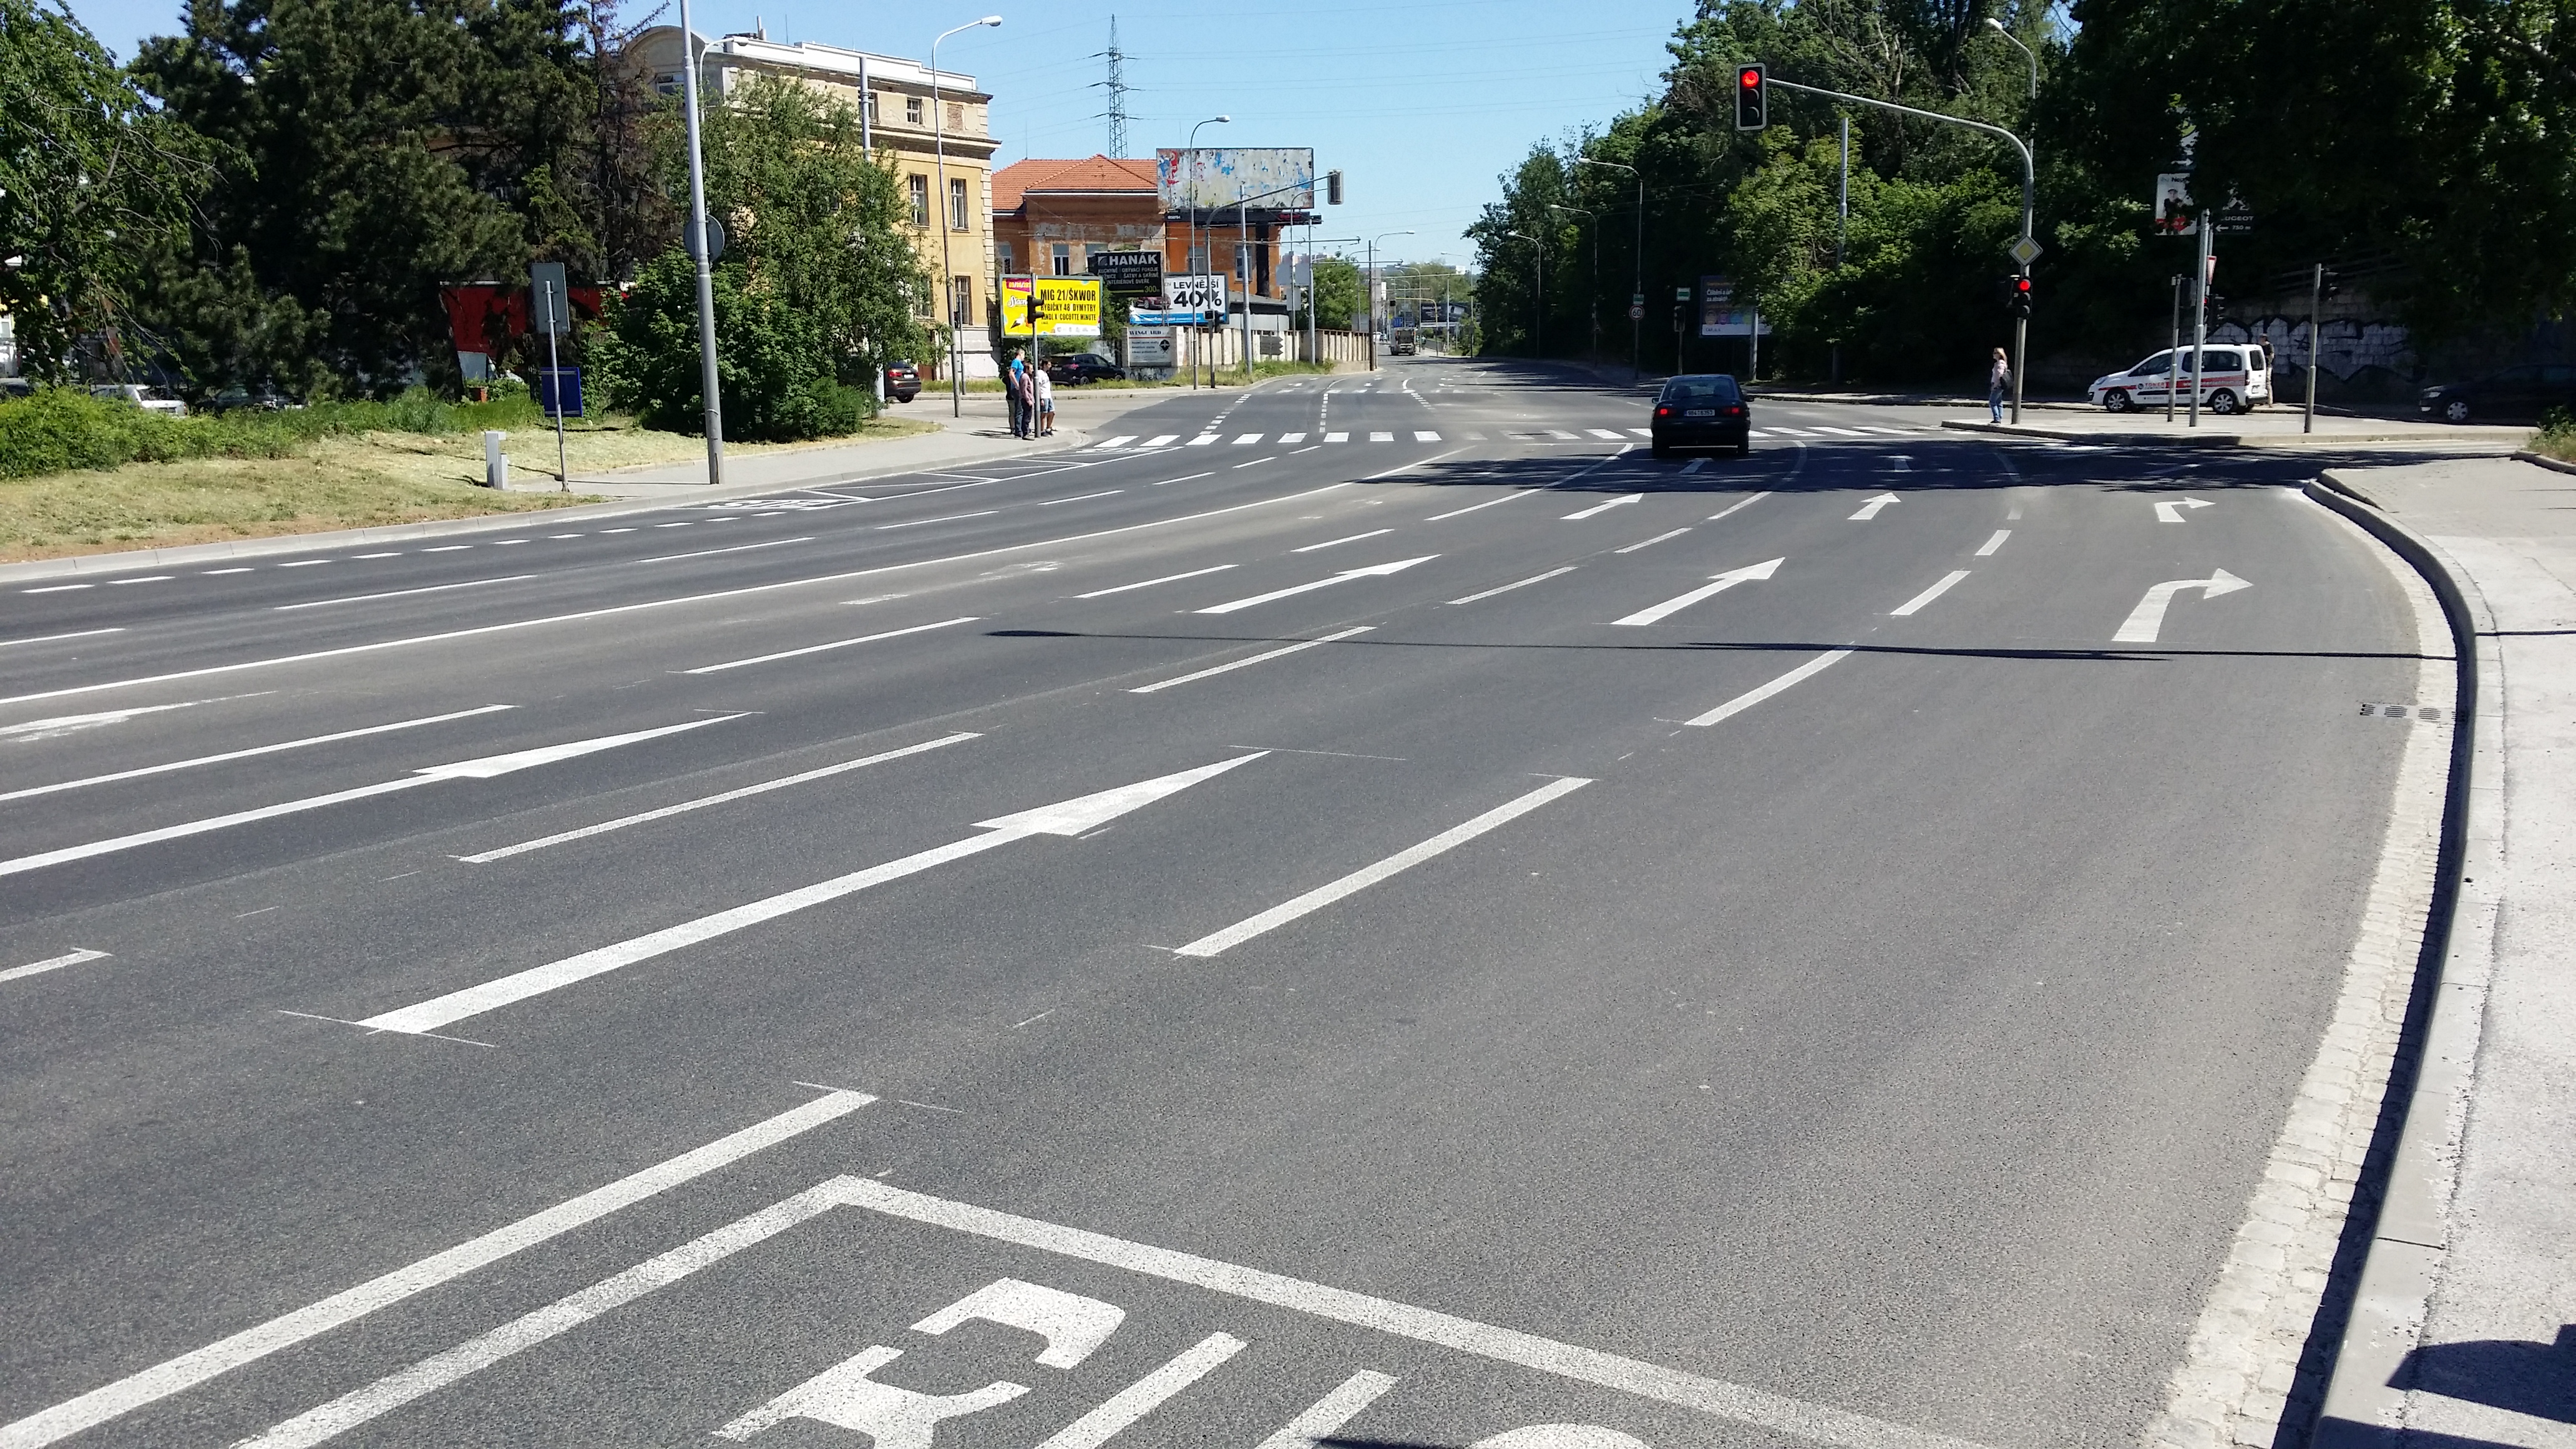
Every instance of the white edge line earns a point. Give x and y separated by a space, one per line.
254 751
617 609
1928 595
1752 697
1149 583
56 963
1243 663
835 644
1507 588
134 1391
1369 875
399 593
50 638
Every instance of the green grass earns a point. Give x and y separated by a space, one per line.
2557 436
59 430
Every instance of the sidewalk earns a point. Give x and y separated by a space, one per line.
2463 1328
2273 427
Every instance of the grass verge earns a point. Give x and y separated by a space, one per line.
2557 436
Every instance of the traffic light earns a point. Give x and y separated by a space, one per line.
2021 296
1332 188
1752 103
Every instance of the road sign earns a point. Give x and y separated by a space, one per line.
2024 251
715 240
1637 313
550 297
559 391
1681 294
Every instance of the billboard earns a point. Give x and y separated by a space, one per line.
2173 215
1200 292
1720 315
1050 306
1128 274
1209 178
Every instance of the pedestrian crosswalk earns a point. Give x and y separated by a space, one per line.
1132 442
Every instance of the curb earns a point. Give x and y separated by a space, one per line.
2402 1238
2552 464
2205 439
1072 440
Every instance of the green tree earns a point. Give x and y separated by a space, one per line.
94 183
773 360
1337 294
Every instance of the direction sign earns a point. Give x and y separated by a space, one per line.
2024 251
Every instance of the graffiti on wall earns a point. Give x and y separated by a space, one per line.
2347 347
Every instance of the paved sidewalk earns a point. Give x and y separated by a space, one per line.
2463 1332
2273 427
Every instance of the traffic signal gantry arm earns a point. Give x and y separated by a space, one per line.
2029 172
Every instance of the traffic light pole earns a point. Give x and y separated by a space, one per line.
2029 191
2316 302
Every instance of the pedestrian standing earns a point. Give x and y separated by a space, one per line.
1046 405
1011 394
1998 378
1025 389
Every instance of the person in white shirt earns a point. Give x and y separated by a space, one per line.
1046 403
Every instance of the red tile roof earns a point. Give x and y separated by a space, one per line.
1092 173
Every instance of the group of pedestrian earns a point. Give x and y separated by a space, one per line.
1031 394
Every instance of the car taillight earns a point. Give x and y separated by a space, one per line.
1663 412
1735 412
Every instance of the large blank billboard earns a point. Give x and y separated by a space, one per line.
1212 177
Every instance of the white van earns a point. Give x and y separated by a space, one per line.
2233 377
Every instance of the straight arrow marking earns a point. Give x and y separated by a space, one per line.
1346 575
1605 507
1869 509
2147 620
1069 817
482 769
1718 584
2170 510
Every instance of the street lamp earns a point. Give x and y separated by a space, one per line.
697 249
1370 285
947 222
1997 27
1190 230
1591 219
1637 298
1538 313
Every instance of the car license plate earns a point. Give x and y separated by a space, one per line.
1699 412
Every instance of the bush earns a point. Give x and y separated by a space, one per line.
2557 436
62 428
773 375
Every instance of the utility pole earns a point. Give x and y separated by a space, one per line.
1637 298
2173 354
698 249
1842 224
2316 303
1190 219
1368 291
2200 308
947 223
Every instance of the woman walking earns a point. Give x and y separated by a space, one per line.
1998 377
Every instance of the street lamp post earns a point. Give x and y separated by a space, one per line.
1368 289
1592 221
1538 319
698 250
1190 234
1637 297
1997 27
947 223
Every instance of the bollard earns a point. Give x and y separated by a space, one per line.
496 464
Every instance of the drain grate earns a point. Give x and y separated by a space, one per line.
2424 712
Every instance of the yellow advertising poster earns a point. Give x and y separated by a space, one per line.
1015 307
1066 307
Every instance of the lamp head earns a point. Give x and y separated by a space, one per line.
1996 26
990 20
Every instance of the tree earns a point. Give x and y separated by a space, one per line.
773 366
93 183
1337 293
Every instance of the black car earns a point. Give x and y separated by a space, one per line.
2518 394
903 381
1703 411
1082 367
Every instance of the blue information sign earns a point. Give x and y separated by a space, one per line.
559 391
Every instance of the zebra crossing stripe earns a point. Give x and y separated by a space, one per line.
1425 436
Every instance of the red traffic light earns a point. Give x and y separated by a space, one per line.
2022 285
1750 78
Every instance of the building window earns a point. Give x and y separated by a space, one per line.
868 106
912 110
1198 261
956 203
667 83
1002 258
1242 254
919 186
1063 259
956 115
961 304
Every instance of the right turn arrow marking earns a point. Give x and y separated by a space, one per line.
1718 584
2170 509
2148 619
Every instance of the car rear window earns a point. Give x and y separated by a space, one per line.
1701 390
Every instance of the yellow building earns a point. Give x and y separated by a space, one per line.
911 122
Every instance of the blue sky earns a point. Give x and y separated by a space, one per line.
1420 103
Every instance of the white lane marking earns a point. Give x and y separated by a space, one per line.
1740 504
1369 875
835 644
1651 542
395 553
2013 514
944 518
1752 697
1246 439
50 638
1791 432
1598 508
711 552
1750 432
1372 571
484 768
618 609
1987 549
172 1376
1840 432
629 529
683 523
2170 510
237 569
1915 604
1262 658
1900 463
1310 1429
56 963
1287 438
1353 538
2147 620
1149 583
1739 1403
1717 584
256 750
1162 440
400 593
1643 432
63 724
1560 433
1142 1397
145 579
1524 583
1122 440
1472 507
57 588
1694 465
1891 432
1185 478
461 547
1870 509
1310 447
703 801
1257 462
1424 435
1381 437
315 563
1328 437
1608 433
1069 817
1083 497
1201 441
553 536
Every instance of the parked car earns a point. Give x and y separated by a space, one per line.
902 381
1705 410
16 387
150 399
2516 394
2232 379
1082 367
238 398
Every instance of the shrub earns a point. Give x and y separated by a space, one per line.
773 375
62 428
2557 435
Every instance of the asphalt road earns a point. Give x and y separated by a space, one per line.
617 985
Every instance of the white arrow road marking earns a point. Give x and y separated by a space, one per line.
1161 685
479 769
1345 576
1752 697
172 1376
2148 619
1366 876
1718 584
1915 605
2170 510
52 963
1605 507
256 750
1869 510
1069 817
